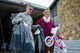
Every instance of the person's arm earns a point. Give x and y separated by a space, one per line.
38 22
37 25
53 24
17 19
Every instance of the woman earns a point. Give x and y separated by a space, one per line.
47 24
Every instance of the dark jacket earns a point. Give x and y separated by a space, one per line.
39 42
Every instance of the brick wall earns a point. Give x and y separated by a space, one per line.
69 16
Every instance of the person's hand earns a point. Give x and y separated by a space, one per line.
60 25
35 26
20 19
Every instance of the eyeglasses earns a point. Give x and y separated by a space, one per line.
47 14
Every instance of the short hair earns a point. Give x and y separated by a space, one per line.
29 5
45 11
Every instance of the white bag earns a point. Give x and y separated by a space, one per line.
37 31
54 30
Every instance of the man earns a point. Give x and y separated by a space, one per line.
27 20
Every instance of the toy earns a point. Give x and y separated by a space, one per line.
59 43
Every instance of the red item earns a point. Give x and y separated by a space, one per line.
46 26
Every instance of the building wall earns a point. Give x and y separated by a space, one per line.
69 16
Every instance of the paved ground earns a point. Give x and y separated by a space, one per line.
73 46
